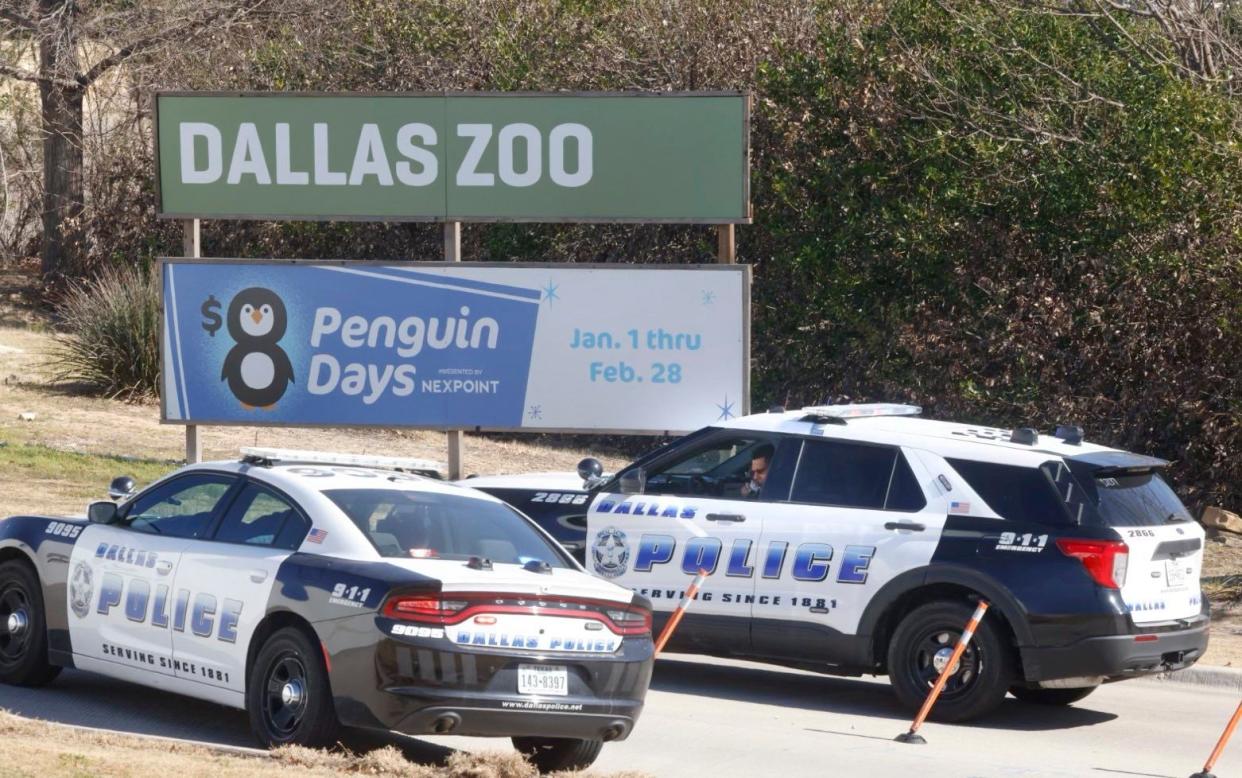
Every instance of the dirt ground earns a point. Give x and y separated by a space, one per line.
31 748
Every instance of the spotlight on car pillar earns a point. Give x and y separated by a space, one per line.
121 487
590 468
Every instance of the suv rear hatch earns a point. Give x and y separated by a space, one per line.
1128 493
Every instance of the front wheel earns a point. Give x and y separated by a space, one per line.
1051 696
550 754
921 647
23 627
288 696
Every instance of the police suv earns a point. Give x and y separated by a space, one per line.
873 533
318 590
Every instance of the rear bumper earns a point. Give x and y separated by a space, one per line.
1116 657
428 685
490 715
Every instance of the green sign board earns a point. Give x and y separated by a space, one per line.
678 157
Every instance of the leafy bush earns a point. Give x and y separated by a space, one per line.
112 327
1010 215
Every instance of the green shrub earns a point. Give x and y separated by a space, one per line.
112 326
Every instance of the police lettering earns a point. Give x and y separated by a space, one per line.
811 561
201 611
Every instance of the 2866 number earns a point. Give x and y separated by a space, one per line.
560 498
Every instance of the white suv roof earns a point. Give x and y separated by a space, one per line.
871 423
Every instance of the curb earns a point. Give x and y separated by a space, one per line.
1216 677
218 747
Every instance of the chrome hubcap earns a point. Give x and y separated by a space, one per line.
291 693
941 659
17 622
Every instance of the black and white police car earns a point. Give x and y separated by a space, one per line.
323 590
874 532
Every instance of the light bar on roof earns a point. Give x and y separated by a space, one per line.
861 410
330 458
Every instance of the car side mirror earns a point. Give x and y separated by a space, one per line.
591 471
102 512
634 481
121 487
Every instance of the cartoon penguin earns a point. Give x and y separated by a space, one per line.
257 368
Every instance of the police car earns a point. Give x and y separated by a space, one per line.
316 590
856 540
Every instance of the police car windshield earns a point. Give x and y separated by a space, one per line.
428 525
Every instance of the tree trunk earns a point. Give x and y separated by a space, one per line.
62 157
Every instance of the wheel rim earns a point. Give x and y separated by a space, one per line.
15 628
285 695
930 656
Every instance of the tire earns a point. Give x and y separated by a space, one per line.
289 664
23 654
1051 696
984 674
550 754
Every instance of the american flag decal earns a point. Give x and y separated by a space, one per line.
960 507
317 535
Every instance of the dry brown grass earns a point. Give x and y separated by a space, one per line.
30 748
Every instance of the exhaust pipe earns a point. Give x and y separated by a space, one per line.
614 730
446 723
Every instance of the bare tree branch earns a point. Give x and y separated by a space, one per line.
21 21
237 12
22 74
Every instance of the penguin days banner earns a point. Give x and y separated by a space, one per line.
436 345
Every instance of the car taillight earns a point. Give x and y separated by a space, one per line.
422 607
1105 560
630 621
453 608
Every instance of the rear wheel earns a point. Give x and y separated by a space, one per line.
1051 696
921 647
288 696
23 627
550 754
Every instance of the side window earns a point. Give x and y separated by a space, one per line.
845 474
1016 493
904 493
182 508
721 467
257 517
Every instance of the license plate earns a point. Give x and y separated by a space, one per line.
543 680
1175 572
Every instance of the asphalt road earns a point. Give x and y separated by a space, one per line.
725 718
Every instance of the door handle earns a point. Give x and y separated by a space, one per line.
258 576
913 526
734 517
163 567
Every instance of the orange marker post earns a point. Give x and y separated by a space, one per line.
912 736
1206 772
673 620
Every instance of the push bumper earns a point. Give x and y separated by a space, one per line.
1148 650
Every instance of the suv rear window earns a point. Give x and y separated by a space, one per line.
1014 492
430 525
1129 498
